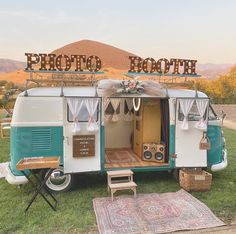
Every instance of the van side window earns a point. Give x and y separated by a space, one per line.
83 115
212 115
193 114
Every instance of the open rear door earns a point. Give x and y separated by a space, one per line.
187 141
81 150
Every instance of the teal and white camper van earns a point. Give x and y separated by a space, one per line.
94 130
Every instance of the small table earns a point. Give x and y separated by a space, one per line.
125 182
33 164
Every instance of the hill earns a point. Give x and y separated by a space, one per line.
110 55
212 71
8 65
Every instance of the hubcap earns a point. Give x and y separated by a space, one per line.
58 181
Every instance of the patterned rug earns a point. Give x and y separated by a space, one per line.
153 213
3 169
120 156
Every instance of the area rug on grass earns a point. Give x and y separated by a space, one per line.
3 171
120 156
153 213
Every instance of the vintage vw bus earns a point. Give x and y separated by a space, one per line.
94 130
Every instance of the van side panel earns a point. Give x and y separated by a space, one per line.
35 142
214 155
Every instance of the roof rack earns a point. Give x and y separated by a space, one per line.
61 78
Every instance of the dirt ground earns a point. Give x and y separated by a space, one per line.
230 111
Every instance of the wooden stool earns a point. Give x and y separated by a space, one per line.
125 182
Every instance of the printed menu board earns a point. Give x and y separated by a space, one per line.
83 145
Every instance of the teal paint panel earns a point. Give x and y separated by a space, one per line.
102 149
34 142
172 139
214 155
172 145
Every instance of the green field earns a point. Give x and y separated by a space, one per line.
75 211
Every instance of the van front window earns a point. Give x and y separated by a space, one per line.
212 115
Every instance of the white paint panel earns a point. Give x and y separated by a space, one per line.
187 146
81 164
38 111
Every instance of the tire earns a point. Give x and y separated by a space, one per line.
58 181
175 174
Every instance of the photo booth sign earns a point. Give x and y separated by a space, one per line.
162 66
53 62
81 63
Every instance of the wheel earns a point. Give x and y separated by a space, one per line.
58 181
175 174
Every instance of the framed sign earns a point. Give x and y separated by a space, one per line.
83 145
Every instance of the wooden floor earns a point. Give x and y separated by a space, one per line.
139 162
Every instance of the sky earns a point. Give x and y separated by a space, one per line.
204 30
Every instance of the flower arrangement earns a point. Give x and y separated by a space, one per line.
131 86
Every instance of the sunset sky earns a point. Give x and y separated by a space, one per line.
202 29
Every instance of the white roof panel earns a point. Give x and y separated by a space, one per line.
56 92
185 93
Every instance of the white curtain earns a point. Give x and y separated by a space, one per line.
129 115
186 105
172 104
75 105
115 104
202 106
92 105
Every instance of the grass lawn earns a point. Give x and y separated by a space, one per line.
75 211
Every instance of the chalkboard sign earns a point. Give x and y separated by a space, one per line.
83 145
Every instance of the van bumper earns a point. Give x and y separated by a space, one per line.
15 180
223 164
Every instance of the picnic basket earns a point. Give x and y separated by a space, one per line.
195 180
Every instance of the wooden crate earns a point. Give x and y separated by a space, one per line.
195 180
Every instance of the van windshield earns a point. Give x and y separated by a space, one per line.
212 115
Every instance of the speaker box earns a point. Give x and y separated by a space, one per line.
153 152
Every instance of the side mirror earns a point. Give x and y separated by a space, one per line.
223 115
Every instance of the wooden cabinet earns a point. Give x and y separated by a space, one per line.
147 124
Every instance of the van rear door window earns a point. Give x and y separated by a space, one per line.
83 115
193 114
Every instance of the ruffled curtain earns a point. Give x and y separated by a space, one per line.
92 105
202 106
129 104
115 104
185 105
106 102
75 105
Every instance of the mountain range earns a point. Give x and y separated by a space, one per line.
115 61
9 65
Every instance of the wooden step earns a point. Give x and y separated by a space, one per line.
127 185
120 173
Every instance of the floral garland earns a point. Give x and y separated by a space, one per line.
131 86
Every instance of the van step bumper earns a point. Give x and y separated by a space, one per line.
222 165
15 180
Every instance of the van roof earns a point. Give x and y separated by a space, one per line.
175 93
56 92
91 92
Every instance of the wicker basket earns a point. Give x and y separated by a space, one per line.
195 180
